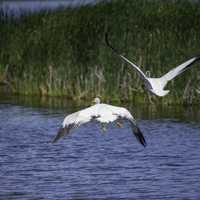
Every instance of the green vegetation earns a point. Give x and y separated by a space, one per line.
63 53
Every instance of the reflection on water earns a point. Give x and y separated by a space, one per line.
140 111
89 164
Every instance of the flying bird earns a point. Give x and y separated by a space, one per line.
102 113
156 85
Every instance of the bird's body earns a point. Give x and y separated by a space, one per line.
102 113
157 85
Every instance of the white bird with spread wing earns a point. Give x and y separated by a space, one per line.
157 85
102 113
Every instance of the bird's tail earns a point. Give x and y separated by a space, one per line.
138 134
61 133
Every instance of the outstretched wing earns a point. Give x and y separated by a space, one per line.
74 120
180 68
139 71
122 113
101 112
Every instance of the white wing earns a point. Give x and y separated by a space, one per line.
139 71
104 114
110 113
179 69
74 120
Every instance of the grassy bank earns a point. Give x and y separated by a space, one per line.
62 53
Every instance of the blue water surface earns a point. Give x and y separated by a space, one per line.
91 164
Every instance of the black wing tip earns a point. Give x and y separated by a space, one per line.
106 39
197 57
144 143
142 140
109 45
59 135
139 136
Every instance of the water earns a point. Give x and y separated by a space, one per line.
19 6
89 164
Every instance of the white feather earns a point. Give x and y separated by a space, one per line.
177 70
102 113
156 85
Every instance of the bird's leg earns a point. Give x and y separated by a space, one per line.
150 98
149 95
119 123
103 127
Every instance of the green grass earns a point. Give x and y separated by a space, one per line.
63 53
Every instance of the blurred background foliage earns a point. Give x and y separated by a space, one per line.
63 53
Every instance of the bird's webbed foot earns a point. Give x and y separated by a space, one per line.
151 98
103 127
119 124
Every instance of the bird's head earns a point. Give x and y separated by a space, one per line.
96 100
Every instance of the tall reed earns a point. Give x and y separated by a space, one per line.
63 53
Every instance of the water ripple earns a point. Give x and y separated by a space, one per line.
89 164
